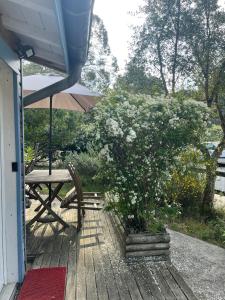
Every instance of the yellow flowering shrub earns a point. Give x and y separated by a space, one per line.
187 182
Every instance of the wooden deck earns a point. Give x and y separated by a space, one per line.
96 268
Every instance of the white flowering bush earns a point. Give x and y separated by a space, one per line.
139 139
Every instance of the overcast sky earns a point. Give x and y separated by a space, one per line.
117 20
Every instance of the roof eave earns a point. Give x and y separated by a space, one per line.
61 29
75 63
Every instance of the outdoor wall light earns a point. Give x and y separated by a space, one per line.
25 52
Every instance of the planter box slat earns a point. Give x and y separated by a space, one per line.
144 247
165 252
147 238
142 244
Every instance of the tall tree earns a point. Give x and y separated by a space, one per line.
159 40
101 68
204 34
136 80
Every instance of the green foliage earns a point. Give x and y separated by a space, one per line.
182 42
30 68
218 225
29 154
157 219
139 139
157 43
87 163
136 81
204 35
214 133
36 128
186 184
66 128
213 231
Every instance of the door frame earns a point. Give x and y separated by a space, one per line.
2 266
19 140
12 204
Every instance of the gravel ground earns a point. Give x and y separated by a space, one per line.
201 264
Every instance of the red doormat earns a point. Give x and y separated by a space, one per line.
44 284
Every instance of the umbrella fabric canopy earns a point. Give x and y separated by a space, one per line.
76 98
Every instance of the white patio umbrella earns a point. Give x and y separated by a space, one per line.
76 98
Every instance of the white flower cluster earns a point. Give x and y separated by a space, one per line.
114 128
131 136
174 121
131 110
133 197
105 153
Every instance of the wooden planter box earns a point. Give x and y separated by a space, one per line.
154 246
145 244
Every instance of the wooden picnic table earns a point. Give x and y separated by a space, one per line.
43 177
55 182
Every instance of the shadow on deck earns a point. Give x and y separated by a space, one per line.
96 268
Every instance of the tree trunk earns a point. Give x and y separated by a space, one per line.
161 66
208 195
206 87
177 37
208 51
209 191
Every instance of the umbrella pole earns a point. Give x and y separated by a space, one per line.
50 147
50 137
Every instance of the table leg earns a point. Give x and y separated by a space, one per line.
57 196
46 206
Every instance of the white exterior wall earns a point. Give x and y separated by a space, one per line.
8 184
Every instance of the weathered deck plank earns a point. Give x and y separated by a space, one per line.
123 278
81 270
108 272
96 268
98 264
178 294
180 281
164 287
71 278
90 242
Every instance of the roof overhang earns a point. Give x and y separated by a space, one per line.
57 30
